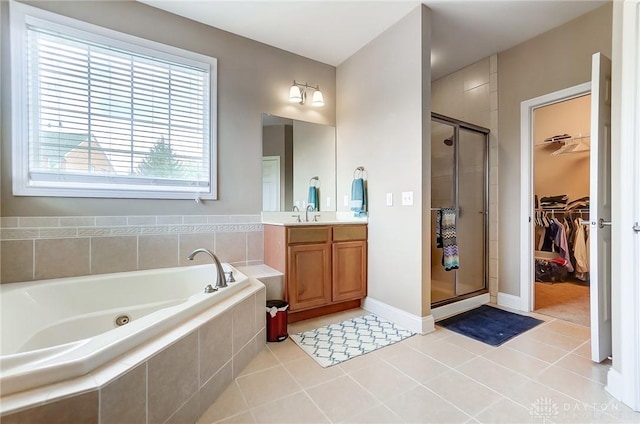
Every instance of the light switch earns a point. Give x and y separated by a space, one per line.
407 198
328 202
389 199
346 200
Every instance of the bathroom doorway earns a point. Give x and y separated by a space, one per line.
459 210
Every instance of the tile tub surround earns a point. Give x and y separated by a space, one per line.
173 378
35 248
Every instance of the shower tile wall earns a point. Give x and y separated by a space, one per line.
471 95
35 248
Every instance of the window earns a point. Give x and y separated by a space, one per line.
97 113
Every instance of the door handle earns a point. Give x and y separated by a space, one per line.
636 228
602 223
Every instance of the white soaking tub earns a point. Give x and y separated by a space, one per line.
54 330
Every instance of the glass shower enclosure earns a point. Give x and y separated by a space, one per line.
459 187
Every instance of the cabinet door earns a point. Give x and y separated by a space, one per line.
349 270
309 276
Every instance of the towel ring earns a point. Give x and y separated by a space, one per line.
314 181
359 172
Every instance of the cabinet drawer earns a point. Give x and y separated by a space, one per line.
349 232
308 235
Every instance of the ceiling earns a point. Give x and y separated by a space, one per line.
463 31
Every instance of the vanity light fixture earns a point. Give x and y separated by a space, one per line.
298 94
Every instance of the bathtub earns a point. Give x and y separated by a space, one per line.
54 330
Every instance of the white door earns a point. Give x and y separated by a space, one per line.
271 183
600 208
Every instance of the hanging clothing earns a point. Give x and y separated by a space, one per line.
550 237
581 251
561 243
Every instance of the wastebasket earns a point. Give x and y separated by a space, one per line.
277 320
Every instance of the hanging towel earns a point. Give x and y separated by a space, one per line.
359 197
439 228
450 258
312 199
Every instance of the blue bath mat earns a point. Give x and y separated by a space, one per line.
489 325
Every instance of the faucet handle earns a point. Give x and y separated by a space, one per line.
297 217
315 218
230 278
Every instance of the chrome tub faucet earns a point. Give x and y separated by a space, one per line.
221 281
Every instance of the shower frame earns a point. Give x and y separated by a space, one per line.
457 125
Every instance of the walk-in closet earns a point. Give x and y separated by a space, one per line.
561 200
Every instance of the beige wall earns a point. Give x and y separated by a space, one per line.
314 155
553 61
384 96
252 78
563 173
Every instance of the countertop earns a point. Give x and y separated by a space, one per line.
288 219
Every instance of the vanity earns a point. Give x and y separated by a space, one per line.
324 265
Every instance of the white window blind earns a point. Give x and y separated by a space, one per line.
104 117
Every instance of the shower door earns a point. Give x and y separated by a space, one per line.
459 180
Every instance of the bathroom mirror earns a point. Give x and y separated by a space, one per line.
294 153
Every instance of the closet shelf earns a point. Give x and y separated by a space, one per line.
580 143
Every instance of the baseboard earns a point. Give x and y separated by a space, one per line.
510 301
422 325
614 384
455 308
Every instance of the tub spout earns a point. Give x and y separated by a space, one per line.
221 282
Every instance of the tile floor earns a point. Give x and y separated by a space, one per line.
541 376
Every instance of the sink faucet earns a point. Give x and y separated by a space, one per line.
296 208
306 212
221 282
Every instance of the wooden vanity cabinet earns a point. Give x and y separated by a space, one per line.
308 275
349 267
324 267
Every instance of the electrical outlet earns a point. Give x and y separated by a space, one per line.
389 199
328 202
346 200
407 198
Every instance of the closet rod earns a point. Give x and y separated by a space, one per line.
562 210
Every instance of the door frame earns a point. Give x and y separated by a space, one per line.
275 159
527 275
623 378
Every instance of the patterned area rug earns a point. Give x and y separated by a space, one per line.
335 343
